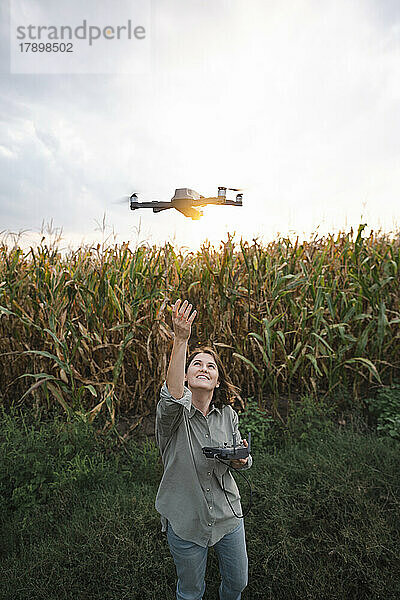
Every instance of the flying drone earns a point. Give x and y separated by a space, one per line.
186 200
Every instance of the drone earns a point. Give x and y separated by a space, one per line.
186 200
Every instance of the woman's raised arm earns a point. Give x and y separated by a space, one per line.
182 323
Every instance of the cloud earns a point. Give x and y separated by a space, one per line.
298 101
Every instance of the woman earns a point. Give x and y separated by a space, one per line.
194 510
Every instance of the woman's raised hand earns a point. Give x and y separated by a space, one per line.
182 319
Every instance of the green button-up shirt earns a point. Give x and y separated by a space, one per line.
190 495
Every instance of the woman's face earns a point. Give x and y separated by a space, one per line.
202 372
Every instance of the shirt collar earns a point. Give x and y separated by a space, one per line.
193 410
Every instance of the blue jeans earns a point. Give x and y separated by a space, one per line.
190 562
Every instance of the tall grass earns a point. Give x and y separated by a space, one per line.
91 330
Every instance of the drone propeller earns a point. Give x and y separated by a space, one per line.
221 187
122 200
125 199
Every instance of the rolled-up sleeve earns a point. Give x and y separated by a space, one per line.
169 411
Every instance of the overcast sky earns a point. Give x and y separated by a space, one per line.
297 101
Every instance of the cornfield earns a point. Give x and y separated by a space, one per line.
91 330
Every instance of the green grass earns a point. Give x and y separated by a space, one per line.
78 518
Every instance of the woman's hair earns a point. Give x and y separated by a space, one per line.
227 391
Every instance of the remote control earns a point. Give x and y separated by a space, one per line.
233 452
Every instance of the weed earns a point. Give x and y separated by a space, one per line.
261 425
385 409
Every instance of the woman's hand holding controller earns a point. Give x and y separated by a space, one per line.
240 462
